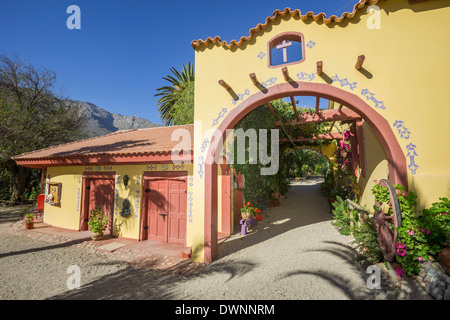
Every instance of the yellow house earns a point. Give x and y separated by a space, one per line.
381 67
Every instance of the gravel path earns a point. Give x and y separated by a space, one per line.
294 253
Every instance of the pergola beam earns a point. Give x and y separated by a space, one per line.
327 136
328 115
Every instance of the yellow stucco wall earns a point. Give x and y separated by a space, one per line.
405 72
67 215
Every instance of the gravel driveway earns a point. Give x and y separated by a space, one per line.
294 253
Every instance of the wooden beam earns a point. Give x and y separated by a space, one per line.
340 107
317 104
327 136
294 105
224 84
285 72
270 107
319 67
254 80
332 125
327 115
359 62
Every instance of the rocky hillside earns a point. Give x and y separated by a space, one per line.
101 122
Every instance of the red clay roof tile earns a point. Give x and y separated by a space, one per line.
124 142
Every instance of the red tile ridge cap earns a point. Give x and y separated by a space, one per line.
317 17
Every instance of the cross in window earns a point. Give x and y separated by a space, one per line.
283 46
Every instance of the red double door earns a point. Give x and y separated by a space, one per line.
164 207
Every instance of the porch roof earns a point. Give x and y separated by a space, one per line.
124 146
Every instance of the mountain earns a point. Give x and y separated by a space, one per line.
101 122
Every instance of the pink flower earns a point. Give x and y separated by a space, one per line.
400 245
410 232
401 252
428 231
420 259
445 213
400 272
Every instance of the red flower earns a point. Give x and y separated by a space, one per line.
259 217
258 211
248 203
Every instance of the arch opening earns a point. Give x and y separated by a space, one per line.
379 125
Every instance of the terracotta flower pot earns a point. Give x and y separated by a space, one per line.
444 257
29 225
96 236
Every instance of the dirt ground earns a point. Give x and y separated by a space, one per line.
294 253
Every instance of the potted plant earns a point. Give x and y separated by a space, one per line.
98 222
250 216
29 221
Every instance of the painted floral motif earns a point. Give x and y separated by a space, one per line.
204 144
191 181
269 82
190 205
261 55
371 97
306 76
241 96
411 155
138 196
220 115
177 166
152 167
402 130
310 44
344 82
200 163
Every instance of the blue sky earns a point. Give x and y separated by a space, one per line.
124 47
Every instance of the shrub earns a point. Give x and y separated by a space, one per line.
343 216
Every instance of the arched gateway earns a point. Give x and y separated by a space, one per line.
381 128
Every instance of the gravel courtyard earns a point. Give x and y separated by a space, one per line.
294 253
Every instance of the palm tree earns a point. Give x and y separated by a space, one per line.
176 102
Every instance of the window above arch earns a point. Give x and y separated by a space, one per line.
285 49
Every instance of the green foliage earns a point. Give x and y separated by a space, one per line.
420 237
176 102
344 216
98 222
367 242
29 218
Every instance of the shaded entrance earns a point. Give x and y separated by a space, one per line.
379 125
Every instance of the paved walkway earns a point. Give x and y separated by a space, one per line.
294 253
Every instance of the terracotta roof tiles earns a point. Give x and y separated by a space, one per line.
124 142
281 13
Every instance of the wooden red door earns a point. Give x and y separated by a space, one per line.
99 192
156 204
165 209
177 208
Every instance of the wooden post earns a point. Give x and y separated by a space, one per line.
360 62
285 73
319 67
224 84
254 80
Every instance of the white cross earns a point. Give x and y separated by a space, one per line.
283 46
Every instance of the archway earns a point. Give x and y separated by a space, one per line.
379 125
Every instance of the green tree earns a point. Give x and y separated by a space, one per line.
32 116
176 102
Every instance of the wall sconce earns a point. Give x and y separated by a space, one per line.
125 179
